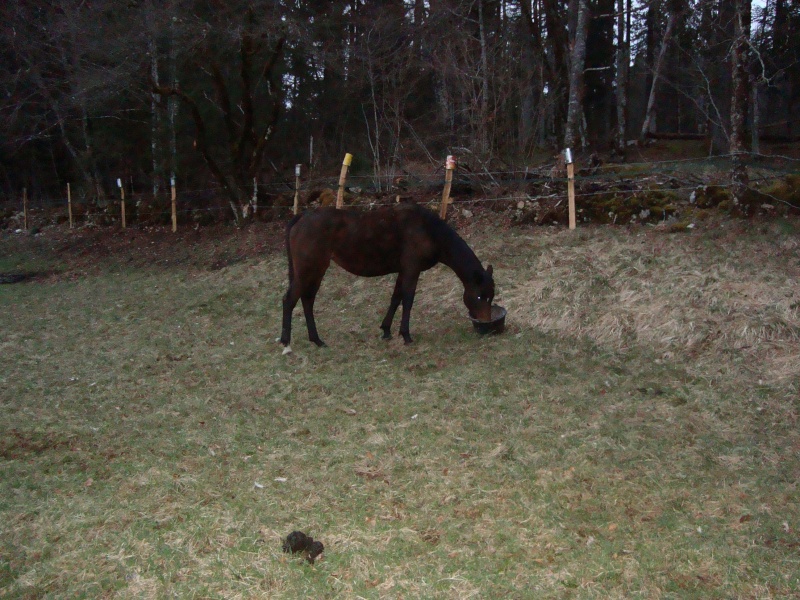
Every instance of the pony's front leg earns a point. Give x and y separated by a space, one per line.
409 290
397 297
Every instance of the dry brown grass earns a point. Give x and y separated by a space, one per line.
731 295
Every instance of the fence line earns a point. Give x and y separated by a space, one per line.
319 183
532 175
547 175
309 186
482 200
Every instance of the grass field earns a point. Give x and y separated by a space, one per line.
633 433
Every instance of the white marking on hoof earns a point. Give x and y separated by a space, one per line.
278 340
287 350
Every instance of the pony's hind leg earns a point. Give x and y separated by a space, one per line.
289 302
397 298
308 311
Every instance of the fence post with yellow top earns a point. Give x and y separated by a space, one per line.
348 158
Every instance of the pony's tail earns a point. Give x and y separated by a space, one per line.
289 226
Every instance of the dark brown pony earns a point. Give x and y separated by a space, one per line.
406 239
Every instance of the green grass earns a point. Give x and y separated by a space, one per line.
156 443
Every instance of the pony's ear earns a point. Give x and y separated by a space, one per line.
489 270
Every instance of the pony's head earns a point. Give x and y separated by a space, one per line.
479 293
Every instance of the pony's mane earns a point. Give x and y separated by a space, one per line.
436 224
440 229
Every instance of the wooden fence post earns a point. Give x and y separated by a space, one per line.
25 207
449 167
69 205
570 186
348 158
296 207
174 204
121 200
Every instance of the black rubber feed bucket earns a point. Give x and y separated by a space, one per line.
496 325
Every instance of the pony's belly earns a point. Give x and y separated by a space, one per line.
365 266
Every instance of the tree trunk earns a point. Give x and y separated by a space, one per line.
651 101
89 153
73 152
755 145
483 128
740 104
419 19
172 104
155 119
538 72
623 60
557 45
577 62
374 136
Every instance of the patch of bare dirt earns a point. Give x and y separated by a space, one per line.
84 251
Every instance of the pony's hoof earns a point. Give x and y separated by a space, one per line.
387 335
320 343
287 350
407 340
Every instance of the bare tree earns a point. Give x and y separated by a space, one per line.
557 45
577 62
155 117
66 81
463 63
740 103
394 79
623 62
651 100
483 139
538 70
248 135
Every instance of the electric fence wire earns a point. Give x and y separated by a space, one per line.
405 183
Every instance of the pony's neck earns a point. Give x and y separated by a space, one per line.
456 254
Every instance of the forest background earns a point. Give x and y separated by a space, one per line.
228 93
